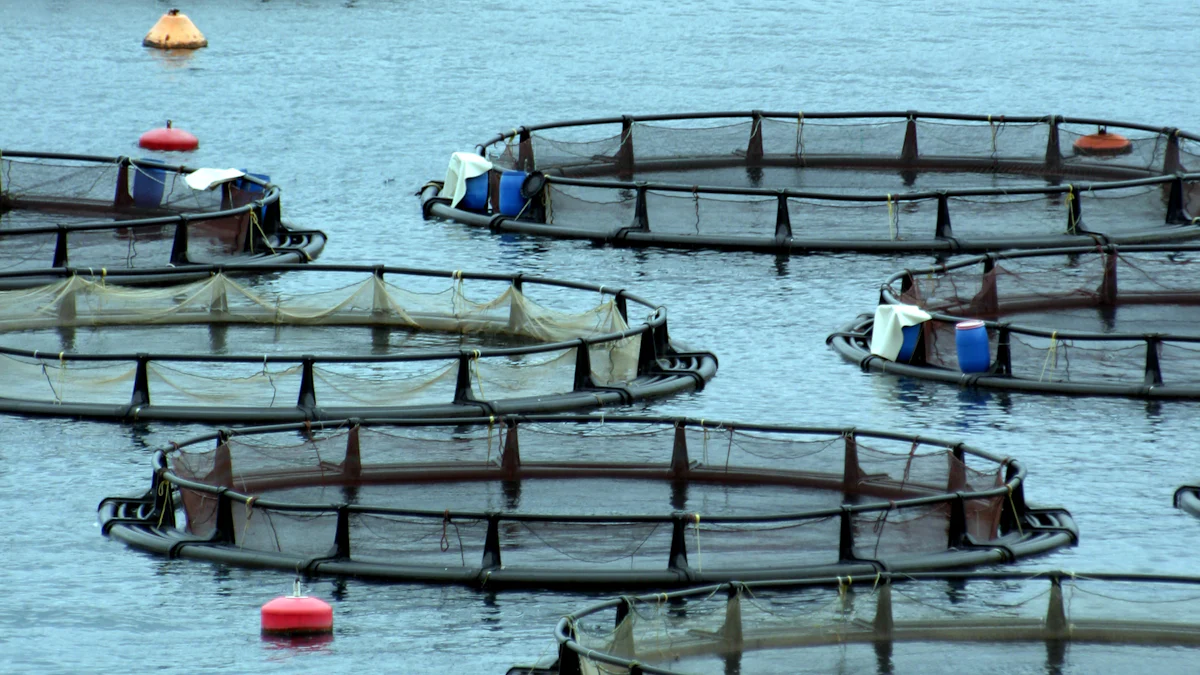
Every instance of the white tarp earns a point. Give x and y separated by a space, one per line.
463 165
887 336
207 179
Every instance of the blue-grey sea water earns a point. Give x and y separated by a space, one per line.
351 105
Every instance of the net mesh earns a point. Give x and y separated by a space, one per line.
79 302
460 469
1127 292
814 629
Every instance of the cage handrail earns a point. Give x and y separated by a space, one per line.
900 115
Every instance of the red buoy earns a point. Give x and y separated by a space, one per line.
297 614
169 139
1103 143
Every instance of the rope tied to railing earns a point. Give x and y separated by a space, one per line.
255 226
164 491
800 135
491 422
696 205
993 128
699 554
1051 358
474 366
246 523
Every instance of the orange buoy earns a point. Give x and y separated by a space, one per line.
296 614
169 139
175 31
1103 143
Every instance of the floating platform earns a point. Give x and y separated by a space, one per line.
581 503
1099 320
116 213
877 182
355 343
1043 620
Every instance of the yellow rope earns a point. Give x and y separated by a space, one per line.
491 421
475 355
246 523
1070 212
1051 355
800 134
163 491
699 554
254 225
993 128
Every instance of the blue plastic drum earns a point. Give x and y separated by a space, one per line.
148 187
476 198
971 339
911 334
511 201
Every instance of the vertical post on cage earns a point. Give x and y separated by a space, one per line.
641 219
583 366
1074 211
223 531
884 621
957 479
1056 615
647 354
1176 215
851 473
462 385
60 247
569 662
908 152
731 630
308 391
622 305
525 159
122 198
491 543
510 459
625 157
1003 365
352 464
141 382
678 559
1153 376
943 218
846 535
679 452
957 528
179 245
783 219
341 536
1171 162
1014 505
754 149
1053 149
1108 285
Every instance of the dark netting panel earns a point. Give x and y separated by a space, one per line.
801 543
993 140
393 539
549 153
1146 151
593 546
305 535
84 184
681 213
830 137
595 209
705 139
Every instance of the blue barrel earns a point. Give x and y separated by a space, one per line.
511 201
911 333
476 198
971 339
148 187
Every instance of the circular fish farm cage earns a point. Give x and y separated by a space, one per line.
1099 320
358 341
59 210
784 182
583 502
1053 621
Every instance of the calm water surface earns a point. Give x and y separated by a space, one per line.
351 106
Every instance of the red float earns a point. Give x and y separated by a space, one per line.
1103 143
168 139
297 615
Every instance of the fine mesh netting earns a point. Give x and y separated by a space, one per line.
59 193
843 627
886 182
44 322
421 495
1075 301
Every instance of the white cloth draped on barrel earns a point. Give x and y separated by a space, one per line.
463 165
887 336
